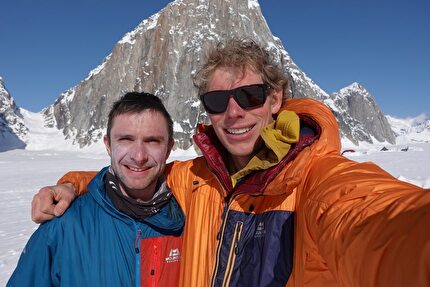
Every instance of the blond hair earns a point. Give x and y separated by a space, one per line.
240 54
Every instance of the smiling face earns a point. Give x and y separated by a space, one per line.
236 128
139 147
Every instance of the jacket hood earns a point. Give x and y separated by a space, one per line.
329 140
313 115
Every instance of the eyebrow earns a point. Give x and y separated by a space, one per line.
146 138
160 138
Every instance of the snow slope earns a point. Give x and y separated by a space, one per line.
23 172
48 156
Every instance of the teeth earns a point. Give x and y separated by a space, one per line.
238 131
135 169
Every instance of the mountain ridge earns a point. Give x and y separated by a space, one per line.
160 56
358 115
39 136
12 128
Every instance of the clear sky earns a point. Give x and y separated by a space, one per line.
48 46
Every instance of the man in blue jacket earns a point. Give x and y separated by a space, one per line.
127 230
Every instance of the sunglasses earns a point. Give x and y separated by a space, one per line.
248 97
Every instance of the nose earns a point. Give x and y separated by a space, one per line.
139 154
233 109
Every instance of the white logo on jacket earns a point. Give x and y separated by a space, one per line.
261 231
174 255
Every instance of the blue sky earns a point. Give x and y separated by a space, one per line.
48 46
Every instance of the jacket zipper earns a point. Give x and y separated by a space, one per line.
220 238
234 250
136 242
137 250
154 265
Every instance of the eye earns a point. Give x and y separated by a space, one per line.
153 140
125 139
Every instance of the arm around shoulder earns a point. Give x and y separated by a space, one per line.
79 180
53 201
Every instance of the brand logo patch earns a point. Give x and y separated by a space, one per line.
174 255
261 231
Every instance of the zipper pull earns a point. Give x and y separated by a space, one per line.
236 248
236 242
136 243
218 236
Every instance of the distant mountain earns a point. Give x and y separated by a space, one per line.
12 127
411 129
161 55
358 115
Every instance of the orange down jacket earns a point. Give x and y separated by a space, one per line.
315 219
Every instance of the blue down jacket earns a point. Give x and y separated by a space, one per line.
93 244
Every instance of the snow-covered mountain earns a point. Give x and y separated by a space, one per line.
161 55
359 117
411 130
12 128
22 129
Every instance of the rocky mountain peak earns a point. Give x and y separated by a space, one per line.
161 55
12 127
359 117
354 88
7 103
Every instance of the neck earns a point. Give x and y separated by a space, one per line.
136 206
139 194
239 162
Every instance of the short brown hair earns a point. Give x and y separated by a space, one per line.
134 102
241 54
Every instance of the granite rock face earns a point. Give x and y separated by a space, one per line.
161 55
12 127
359 117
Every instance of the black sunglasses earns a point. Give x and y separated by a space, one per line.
248 97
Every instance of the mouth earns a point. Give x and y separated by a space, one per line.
238 131
135 169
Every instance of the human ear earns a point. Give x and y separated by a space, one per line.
107 145
276 100
169 148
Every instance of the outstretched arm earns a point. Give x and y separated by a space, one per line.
371 229
54 200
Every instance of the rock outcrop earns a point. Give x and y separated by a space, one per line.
12 127
161 55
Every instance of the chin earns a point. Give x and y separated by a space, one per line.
135 185
241 150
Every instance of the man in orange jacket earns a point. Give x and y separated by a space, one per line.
272 202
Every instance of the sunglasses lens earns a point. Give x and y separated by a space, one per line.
215 102
248 97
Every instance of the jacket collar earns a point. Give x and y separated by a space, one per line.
215 155
169 219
